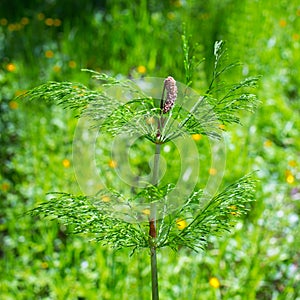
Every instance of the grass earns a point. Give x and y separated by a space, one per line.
259 260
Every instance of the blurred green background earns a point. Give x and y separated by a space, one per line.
54 40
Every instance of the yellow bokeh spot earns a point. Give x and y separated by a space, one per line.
212 171
222 126
5 187
44 265
112 164
105 198
141 69
296 37
66 163
11 27
10 67
56 68
268 143
18 26
177 3
171 15
150 120
196 137
40 16
282 23
214 282
181 224
292 163
19 92
3 22
146 211
24 21
290 179
49 22
13 104
57 22
49 54
233 210
72 64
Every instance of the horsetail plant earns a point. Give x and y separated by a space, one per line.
155 215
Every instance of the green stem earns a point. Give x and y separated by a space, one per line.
153 229
154 278
153 213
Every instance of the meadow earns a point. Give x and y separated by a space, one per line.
53 41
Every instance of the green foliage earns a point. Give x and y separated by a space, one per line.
95 217
259 258
111 219
227 99
71 95
189 59
116 113
126 109
212 217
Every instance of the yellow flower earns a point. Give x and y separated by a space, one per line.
49 54
150 120
268 143
49 22
10 67
18 26
57 22
72 64
222 126
177 3
12 27
296 37
141 69
66 163
146 211
282 23
56 68
24 21
214 282
3 21
15 27
112 164
105 198
232 207
13 104
171 15
289 177
19 92
5 187
233 210
44 265
181 224
40 16
212 171
292 163
196 137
